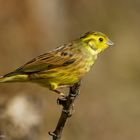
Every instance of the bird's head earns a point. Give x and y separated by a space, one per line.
96 41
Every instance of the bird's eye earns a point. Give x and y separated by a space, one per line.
101 39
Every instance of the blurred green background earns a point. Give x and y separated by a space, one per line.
108 107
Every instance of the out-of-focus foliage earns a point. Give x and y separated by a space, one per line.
109 105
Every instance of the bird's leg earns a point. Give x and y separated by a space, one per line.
53 87
59 92
62 97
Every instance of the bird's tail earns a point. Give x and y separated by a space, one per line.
13 77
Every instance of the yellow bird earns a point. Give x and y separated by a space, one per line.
64 65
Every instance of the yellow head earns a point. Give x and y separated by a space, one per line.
96 40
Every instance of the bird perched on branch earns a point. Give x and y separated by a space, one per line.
64 65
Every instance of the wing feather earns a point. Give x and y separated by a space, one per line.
57 58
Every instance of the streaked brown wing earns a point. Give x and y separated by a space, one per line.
49 61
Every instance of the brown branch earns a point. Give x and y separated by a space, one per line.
66 111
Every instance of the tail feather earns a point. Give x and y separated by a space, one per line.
14 78
13 73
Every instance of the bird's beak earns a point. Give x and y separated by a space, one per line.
110 43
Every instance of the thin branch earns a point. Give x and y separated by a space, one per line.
66 111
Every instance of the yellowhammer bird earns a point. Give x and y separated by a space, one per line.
63 66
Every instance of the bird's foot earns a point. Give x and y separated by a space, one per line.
62 100
59 92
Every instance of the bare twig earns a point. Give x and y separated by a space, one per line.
66 111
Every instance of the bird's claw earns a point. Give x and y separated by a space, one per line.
62 100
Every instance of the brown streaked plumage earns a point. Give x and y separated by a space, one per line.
64 65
